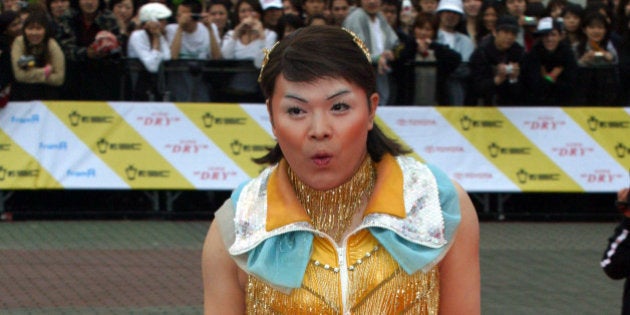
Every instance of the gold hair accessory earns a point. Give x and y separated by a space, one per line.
266 52
355 39
359 43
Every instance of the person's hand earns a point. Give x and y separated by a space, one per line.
47 71
622 202
383 62
516 71
95 54
501 74
257 28
423 45
205 19
588 57
244 27
153 27
608 56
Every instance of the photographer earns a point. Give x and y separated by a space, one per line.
38 62
549 69
496 65
189 39
246 42
598 75
616 260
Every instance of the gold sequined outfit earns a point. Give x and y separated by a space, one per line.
357 275
374 279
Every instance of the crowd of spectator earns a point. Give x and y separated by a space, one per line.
425 52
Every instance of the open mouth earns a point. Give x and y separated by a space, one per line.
321 159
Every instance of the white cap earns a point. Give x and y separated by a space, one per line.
545 24
451 5
271 4
154 11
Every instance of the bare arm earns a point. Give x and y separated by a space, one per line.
176 45
460 279
223 281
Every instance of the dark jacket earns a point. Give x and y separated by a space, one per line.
71 30
597 81
624 70
483 67
89 79
616 260
540 91
6 72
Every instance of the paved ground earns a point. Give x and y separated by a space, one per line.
153 267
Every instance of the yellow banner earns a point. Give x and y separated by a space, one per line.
117 144
19 170
508 149
610 127
233 131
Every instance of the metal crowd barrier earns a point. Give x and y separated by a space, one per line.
214 76
199 74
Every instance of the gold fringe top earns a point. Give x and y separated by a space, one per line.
375 282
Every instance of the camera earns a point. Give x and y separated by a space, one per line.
509 69
26 61
530 21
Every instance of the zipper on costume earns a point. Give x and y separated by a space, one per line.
343 276
342 258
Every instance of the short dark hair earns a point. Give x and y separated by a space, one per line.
255 4
288 20
315 52
113 3
193 5
424 18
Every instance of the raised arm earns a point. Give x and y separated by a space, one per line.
460 280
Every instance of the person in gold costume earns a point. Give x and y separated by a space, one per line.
341 222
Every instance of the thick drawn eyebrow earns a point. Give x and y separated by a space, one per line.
302 100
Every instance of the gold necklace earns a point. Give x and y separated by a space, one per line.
332 210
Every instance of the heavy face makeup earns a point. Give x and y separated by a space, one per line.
322 128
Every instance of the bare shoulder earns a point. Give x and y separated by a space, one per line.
460 280
223 281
